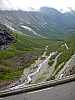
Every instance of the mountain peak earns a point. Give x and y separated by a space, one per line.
49 10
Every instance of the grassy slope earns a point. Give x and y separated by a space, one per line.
35 46
22 46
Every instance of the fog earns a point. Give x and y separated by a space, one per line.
62 5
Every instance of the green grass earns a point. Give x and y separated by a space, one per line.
34 45
8 75
23 45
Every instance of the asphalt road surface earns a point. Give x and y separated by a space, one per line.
59 92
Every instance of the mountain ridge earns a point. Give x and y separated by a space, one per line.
47 22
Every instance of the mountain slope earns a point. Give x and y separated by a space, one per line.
19 54
34 23
47 22
28 33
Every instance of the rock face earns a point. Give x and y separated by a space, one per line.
68 69
5 37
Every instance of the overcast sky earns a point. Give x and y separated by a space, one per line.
36 4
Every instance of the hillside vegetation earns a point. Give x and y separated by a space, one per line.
21 54
26 36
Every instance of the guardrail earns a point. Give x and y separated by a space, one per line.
36 87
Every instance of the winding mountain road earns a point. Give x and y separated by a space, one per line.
40 68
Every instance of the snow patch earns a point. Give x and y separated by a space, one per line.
30 29
10 27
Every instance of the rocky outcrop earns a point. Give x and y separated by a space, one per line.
68 69
5 37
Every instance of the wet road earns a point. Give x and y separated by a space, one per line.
60 92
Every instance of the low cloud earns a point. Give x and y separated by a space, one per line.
34 5
5 5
